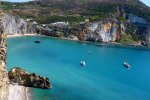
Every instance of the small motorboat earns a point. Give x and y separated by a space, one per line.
82 63
126 65
89 52
36 41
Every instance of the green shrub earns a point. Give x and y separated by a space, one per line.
70 19
126 39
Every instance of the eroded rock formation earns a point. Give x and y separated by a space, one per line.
22 77
3 72
16 25
94 31
102 31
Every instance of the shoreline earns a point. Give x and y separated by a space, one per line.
20 35
84 42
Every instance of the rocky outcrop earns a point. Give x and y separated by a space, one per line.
58 29
3 72
102 31
16 25
22 77
99 31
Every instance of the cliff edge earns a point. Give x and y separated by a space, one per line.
4 82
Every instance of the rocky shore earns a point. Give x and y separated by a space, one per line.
21 83
22 77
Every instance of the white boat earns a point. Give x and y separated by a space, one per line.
126 65
82 63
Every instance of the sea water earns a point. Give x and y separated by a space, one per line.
103 78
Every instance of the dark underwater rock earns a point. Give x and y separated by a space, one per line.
22 77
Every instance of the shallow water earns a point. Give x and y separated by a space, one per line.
103 78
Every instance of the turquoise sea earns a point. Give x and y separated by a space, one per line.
103 78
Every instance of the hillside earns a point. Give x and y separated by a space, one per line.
46 11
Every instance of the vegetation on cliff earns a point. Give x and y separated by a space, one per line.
46 10
126 39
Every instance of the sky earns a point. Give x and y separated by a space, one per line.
147 2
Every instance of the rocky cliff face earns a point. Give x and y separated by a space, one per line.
96 31
102 31
56 29
147 36
105 31
16 25
3 72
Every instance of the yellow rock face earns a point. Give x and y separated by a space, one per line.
3 36
107 27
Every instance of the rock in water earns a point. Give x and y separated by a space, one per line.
22 77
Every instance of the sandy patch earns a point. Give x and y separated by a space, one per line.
19 93
19 35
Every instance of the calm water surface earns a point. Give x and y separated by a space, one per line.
103 78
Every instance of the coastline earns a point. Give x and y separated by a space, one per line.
20 35
70 39
17 92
